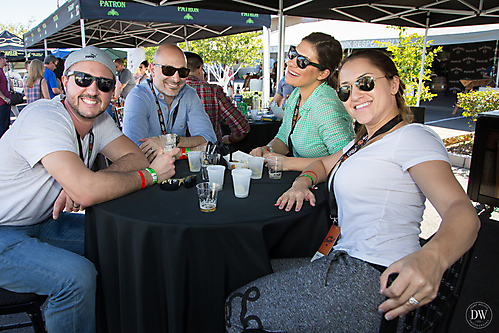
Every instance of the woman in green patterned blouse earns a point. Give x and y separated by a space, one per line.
315 122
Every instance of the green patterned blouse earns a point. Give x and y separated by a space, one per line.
324 126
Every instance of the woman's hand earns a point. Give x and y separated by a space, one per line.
258 152
150 146
419 278
298 193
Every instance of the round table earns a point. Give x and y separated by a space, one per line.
164 266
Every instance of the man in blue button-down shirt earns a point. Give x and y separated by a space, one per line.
180 106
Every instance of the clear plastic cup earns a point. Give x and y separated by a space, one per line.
241 179
171 142
208 195
194 158
216 175
274 163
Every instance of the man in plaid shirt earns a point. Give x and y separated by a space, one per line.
216 103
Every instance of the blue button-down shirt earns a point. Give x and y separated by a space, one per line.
140 118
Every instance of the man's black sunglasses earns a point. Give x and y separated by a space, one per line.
173 184
183 72
301 61
365 83
84 80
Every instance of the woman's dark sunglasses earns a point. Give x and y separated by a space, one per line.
301 61
365 83
173 184
170 71
84 80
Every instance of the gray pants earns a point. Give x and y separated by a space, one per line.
336 293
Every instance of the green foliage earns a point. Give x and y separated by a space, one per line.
248 97
475 102
149 52
230 50
18 29
407 55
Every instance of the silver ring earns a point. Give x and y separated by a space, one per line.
152 150
413 301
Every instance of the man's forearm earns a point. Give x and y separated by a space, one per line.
129 162
189 142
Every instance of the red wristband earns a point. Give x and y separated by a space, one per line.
143 179
316 177
231 140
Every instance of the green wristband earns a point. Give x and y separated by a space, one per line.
153 175
309 177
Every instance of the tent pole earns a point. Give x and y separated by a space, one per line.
421 72
45 46
280 55
82 27
266 66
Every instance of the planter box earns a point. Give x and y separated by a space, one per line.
461 161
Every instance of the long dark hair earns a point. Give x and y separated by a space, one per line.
329 53
385 64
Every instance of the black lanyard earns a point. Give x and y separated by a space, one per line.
90 146
293 124
160 114
333 207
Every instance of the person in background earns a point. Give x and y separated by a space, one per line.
4 97
166 105
125 77
35 87
26 66
50 63
216 103
58 73
44 169
142 74
378 185
315 122
283 92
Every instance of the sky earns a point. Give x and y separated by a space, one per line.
20 11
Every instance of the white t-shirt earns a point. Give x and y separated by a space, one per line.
380 207
27 190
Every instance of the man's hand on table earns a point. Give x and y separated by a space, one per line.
164 163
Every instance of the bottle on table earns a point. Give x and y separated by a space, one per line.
256 101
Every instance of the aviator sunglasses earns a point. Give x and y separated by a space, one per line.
84 80
301 61
170 71
365 83
173 184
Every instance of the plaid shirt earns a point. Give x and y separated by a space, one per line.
219 108
33 94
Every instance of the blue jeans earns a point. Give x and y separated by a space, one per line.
46 259
4 118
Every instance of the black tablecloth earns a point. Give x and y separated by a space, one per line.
164 266
261 132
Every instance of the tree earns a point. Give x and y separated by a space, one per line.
18 29
221 54
407 55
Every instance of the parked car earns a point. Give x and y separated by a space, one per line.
17 81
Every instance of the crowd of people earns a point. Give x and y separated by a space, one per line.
377 179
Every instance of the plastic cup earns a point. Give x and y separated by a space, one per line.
171 142
194 158
216 175
207 194
256 166
241 179
274 163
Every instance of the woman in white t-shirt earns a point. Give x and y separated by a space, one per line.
377 184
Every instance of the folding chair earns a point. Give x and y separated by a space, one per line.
435 316
13 303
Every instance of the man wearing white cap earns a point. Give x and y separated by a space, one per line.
44 169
